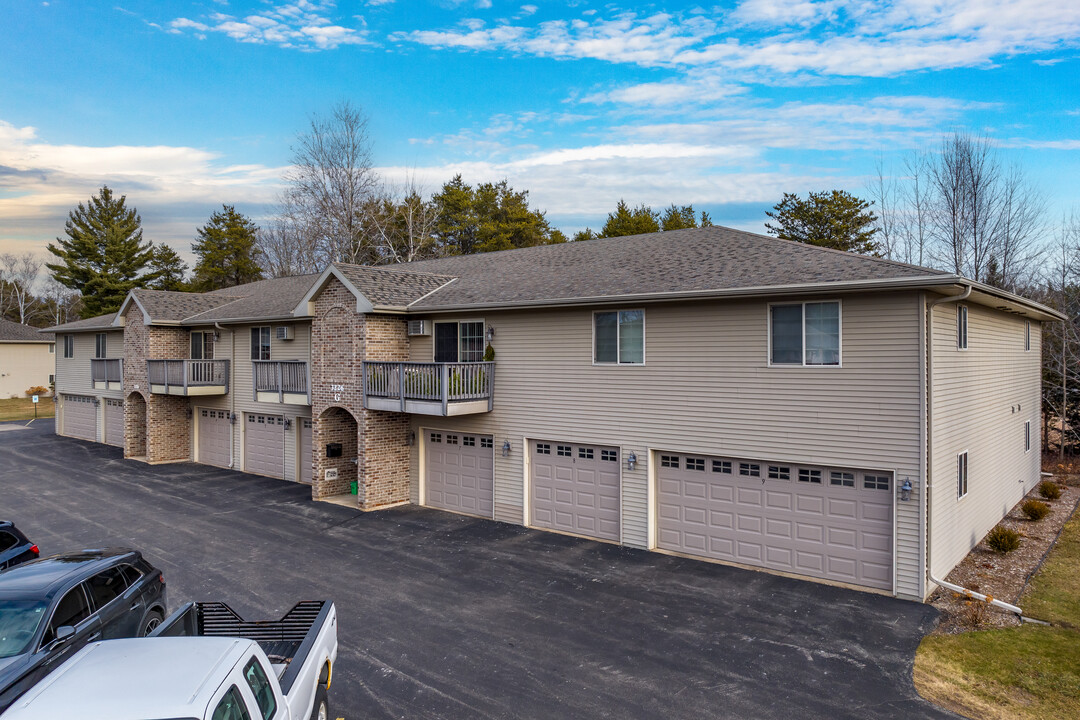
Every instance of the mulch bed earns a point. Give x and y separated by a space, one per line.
1004 576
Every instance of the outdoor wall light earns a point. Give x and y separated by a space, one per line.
506 448
631 461
232 418
189 413
490 334
288 423
410 440
905 490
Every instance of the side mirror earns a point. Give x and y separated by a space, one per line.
63 634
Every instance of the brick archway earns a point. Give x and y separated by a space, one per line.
335 425
135 425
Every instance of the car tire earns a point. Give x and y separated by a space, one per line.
321 709
150 622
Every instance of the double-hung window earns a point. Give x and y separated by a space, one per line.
961 474
805 333
101 345
260 343
619 337
459 341
961 327
69 346
202 345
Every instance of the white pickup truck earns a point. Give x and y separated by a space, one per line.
203 663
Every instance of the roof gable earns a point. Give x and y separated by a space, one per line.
385 288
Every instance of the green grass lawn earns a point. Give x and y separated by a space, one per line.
1024 672
23 409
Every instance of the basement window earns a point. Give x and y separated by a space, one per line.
961 474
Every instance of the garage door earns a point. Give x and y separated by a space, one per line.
305 450
114 422
264 444
460 472
575 488
832 523
214 437
80 417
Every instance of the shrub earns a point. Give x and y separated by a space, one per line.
1034 509
1003 540
37 390
974 614
1049 490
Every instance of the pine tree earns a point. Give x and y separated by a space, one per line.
835 219
226 251
490 217
103 256
678 218
627 221
168 268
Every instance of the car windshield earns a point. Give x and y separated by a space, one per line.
19 620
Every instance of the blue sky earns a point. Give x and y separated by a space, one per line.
183 106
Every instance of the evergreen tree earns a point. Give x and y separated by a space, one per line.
169 269
490 217
627 221
836 219
706 221
678 218
226 251
103 256
586 234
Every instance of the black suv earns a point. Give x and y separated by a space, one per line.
50 608
14 546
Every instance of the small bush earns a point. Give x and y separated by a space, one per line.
1049 490
37 390
974 614
1003 540
1034 509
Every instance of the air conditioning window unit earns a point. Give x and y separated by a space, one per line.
284 332
419 327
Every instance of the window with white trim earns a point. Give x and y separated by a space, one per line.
961 327
52 348
1027 435
805 333
962 474
69 346
1027 335
619 337
459 341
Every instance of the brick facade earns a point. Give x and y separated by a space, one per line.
341 340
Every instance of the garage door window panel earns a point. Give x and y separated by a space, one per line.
619 337
806 334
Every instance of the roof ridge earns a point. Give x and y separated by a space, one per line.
398 267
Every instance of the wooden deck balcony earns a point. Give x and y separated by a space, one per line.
281 381
430 388
188 377
107 373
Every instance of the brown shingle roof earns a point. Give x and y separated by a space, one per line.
164 306
392 285
101 322
13 332
265 299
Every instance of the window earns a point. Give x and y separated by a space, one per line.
459 341
202 345
750 469
805 334
697 464
486 442
101 345
436 437
808 475
260 688
69 346
451 439
52 348
619 337
563 451
231 706
721 466
779 472
961 327
1027 335
52 379
585 453
260 343
71 610
106 586
468 441
962 474
131 573
7 541
543 449
1027 435
609 455
844 479
669 461
876 482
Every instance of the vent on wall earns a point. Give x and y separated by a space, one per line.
284 332
419 327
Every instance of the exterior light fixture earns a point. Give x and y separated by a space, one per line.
506 448
631 461
232 418
288 423
410 440
490 334
189 413
905 490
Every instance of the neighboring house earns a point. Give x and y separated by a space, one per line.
710 393
26 359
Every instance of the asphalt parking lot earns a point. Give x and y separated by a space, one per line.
444 616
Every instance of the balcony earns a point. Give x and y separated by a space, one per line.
429 388
281 381
107 373
188 377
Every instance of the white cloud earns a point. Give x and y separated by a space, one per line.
529 9
302 24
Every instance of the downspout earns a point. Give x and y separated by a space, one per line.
232 394
930 458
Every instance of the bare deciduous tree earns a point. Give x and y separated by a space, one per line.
403 223
58 302
20 271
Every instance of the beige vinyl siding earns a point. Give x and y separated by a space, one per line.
22 366
706 388
981 398
73 374
241 398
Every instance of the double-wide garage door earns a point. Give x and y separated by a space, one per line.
214 437
575 489
264 444
831 523
80 417
460 472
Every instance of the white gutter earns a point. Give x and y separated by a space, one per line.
232 393
930 455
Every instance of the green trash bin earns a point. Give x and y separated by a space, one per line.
352 487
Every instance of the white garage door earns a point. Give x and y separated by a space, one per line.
460 472
80 417
264 444
305 458
575 488
214 437
114 422
832 523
